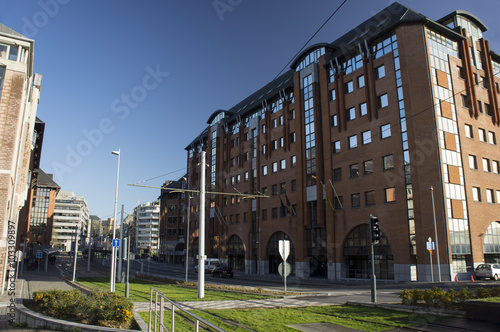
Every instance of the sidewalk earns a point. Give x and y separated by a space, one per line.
34 281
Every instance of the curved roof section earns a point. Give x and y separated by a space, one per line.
214 115
308 50
468 15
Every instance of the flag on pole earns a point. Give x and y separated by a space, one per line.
289 208
283 208
328 202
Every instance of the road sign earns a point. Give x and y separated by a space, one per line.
116 242
39 254
430 245
284 247
284 269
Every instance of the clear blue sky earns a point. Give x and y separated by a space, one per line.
177 61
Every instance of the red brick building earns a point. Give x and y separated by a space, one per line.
19 96
367 124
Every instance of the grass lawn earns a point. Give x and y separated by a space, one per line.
140 289
490 299
362 318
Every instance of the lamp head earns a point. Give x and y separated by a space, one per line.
116 152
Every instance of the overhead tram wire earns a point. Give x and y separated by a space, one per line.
309 40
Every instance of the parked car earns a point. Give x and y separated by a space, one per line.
210 265
491 271
223 271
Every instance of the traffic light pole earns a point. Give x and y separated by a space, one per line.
373 279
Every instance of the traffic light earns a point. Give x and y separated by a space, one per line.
374 228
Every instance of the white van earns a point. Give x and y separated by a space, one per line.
210 265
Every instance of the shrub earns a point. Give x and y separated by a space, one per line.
96 308
437 297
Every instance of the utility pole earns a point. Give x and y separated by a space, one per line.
119 276
374 239
201 250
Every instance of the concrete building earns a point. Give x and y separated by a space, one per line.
19 96
71 216
364 125
146 220
173 211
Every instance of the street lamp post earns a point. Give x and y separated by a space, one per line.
113 250
435 233
187 236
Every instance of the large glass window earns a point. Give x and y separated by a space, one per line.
385 131
383 101
353 141
366 137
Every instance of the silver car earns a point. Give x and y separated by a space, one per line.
491 271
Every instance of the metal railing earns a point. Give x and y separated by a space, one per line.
157 309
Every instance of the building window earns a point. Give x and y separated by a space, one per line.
338 202
337 174
274 145
366 137
238 178
264 214
354 171
370 197
274 189
385 131
490 196
355 200
333 120
469 133
282 188
461 72
274 213
362 109
486 165
476 194
472 162
283 164
492 138
390 195
495 166
292 137
332 95
349 87
293 185
487 108
351 114
280 120
383 101
293 160
336 147
361 81
498 196
368 167
388 162
264 170
480 106
465 101
274 124
263 128
353 141
380 72
263 149
275 167
482 135
282 142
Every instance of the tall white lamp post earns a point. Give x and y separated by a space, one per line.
435 232
113 249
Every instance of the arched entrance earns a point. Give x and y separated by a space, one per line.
357 255
274 254
236 253
491 247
